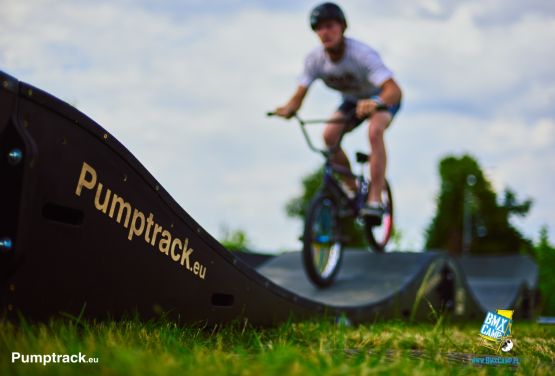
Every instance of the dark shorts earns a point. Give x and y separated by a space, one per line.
348 107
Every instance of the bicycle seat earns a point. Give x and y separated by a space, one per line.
362 157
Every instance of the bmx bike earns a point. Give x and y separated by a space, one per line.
332 206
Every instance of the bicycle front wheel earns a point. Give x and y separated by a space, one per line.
378 235
322 247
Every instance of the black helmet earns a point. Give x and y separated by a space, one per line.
327 11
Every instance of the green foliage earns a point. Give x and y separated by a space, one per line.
396 238
467 196
545 257
319 347
298 206
235 240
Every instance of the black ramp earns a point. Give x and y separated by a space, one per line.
501 282
364 279
85 227
86 230
519 268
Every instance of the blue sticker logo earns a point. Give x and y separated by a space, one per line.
496 331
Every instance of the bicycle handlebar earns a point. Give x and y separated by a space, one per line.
311 121
379 108
331 150
302 123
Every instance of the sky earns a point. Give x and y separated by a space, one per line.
185 86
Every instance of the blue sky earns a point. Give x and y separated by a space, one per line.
185 86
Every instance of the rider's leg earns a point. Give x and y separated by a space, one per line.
332 135
378 123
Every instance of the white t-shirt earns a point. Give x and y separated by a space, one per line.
359 73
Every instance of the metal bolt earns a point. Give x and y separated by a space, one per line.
5 245
15 156
471 180
482 231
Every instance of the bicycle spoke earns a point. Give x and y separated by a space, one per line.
322 248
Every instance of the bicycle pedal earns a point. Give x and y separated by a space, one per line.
373 220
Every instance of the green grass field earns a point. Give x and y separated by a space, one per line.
305 348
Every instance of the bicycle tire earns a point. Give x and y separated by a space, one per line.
322 243
379 236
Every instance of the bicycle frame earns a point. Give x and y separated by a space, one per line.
329 181
350 207
324 236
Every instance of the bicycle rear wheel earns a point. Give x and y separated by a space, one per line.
322 247
378 235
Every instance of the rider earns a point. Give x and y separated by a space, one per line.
357 71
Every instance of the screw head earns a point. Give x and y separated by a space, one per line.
5 244
15 156
471 180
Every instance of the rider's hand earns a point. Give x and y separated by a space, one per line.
365 107
285 111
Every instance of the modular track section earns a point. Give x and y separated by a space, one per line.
494 282
86 230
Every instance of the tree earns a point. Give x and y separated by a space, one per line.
545 257
468 217
235 240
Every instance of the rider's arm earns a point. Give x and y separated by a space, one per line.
294 103
390 93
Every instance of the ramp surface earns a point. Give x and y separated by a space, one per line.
364 277
86 229
501 282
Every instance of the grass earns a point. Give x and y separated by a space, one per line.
305 348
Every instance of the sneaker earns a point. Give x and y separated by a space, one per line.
372 212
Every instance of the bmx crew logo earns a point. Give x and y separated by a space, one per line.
496 330
136 223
